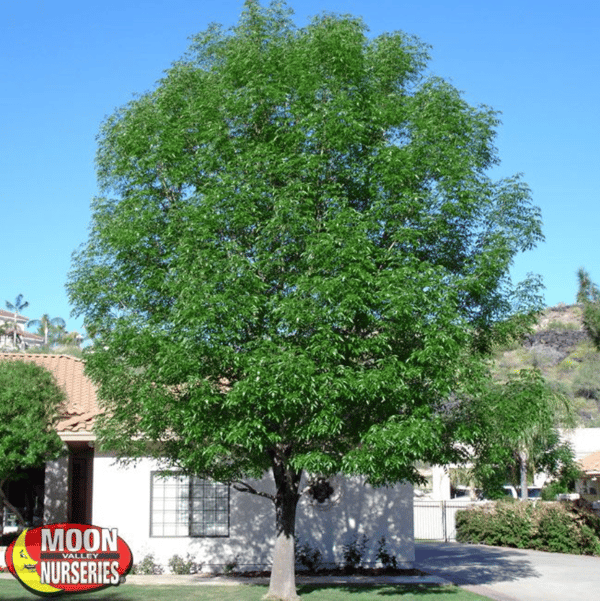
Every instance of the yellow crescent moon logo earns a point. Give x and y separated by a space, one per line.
25 568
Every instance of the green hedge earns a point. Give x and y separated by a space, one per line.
556 527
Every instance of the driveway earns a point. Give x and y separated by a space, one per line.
513 574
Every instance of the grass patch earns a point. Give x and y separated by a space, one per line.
562 326
11 590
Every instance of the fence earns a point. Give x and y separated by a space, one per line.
436 520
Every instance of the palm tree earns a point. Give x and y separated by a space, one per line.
537 411
18 306
56 325
517 422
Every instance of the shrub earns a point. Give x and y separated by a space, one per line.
231 565
180 566
512 524
562 325
552 489
354 552
555 527
308 556
147 566
567 528
388 560
586 382
555 530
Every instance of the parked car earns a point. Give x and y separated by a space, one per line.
509 491
460 492
534 493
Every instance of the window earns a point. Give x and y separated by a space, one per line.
188 506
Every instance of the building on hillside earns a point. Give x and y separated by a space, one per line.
24 338
211 521
585 443
589 485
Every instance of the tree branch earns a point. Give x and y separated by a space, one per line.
245 487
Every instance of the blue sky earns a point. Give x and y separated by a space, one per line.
66 65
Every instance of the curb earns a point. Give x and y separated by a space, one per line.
485 591
193 580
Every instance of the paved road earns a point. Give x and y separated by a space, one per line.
513 574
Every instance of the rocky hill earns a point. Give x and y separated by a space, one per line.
563 352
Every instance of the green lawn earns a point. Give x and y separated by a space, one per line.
13 591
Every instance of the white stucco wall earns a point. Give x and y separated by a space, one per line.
121 499
441 483
584 441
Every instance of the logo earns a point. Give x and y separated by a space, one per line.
68 558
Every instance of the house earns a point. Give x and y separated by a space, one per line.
211 521
25 339
589 486
585 443
67 480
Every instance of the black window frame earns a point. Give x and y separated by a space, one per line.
198 510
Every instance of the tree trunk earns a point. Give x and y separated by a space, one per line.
523 457
282 585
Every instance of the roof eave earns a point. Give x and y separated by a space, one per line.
77 436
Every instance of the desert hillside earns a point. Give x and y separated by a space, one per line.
561 349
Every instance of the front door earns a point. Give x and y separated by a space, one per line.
81 477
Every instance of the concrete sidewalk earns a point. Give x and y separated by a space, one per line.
195 580
507 574
233 580
501 574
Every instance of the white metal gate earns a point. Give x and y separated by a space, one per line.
436 520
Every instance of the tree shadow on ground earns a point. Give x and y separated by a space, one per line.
384 590
473 564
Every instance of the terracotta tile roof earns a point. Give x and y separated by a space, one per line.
10 315
590 464
82 405
25 335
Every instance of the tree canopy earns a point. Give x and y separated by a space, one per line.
514 431
29 400
297 258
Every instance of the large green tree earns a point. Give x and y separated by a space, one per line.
29 402
298 256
